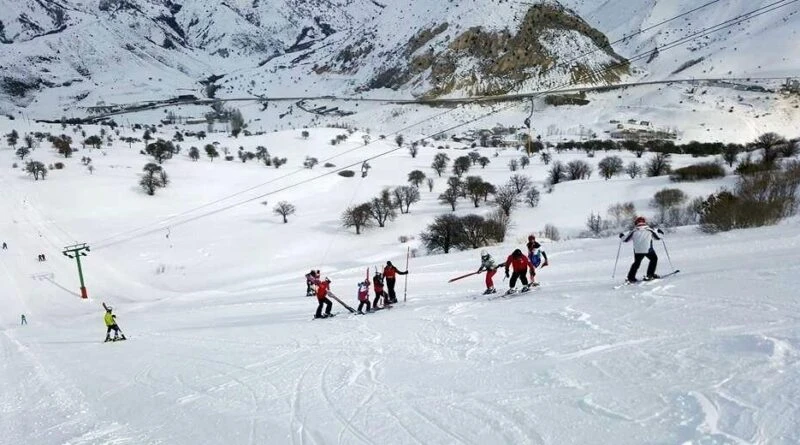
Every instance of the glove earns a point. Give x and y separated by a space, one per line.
545 264
621 235
507 273
660 232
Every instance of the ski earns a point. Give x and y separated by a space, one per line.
512 293
352 311
333 314
642 282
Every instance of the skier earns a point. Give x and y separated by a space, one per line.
535 255
520 264
363 296
111 325
390 273
5 246
642 236
310 280
377 286
488 264
322 297
23 320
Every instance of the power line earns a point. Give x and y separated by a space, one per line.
681 41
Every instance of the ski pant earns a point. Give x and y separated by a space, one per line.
378 298
23 321
637 261
489 274
518 275
364 303
390 284
326 302
110 328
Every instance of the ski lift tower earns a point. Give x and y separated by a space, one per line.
77 251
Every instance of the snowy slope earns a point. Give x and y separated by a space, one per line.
223 348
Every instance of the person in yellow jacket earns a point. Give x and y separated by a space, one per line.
111 325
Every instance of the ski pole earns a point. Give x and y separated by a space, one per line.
405 285
613 275
667 252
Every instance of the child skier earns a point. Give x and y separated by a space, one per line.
642 236
535 255
111 325
310 280
520 264
363 296
322 297
377 285
488 264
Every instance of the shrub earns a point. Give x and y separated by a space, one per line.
610 166
578 170
513 165
520 183
329 165
506 198
667 202
633 170
659 165
229 158
59 165
532 197
445 233
347 173
557 173
596 225
622 214
698 172
497 225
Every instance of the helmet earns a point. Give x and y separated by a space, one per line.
517 252
388 263
327 280
484 253
531 237
640 220
109 308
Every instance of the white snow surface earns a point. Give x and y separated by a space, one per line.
222 348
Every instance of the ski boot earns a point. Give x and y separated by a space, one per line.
490 290
652 277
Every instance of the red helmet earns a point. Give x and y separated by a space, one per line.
531 237
640 220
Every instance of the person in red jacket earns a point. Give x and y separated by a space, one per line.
377 283
322 297
390 273
520 264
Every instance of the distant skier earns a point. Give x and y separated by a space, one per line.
377 286
490 266
5 246
642 236
111 325
536 255
363 296
520 264
322 297
23 320
390 273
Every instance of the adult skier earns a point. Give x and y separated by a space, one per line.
490 266
642 236
390 273
520 264
111 325
536 255
322 297
363 296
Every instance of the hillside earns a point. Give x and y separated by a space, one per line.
222 347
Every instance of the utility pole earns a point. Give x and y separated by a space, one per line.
77 251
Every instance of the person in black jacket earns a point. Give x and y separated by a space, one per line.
390 273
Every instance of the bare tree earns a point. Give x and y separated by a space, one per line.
359 216
405 196
484 161
450 196
578 169
440 162
160 150
633 170
513 165
610 166
416 177
475 187
382 208
445 233
36 169
524 161
659 165
430 182
520 183
154 178
557 173
507 199
461 165
532 197
284 209
413 149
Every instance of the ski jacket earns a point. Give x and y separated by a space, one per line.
488 264
642 237
322 290
391 271
377 283
363 291
536 254
519 264
110 319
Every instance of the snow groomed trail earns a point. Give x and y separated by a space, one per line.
711 355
